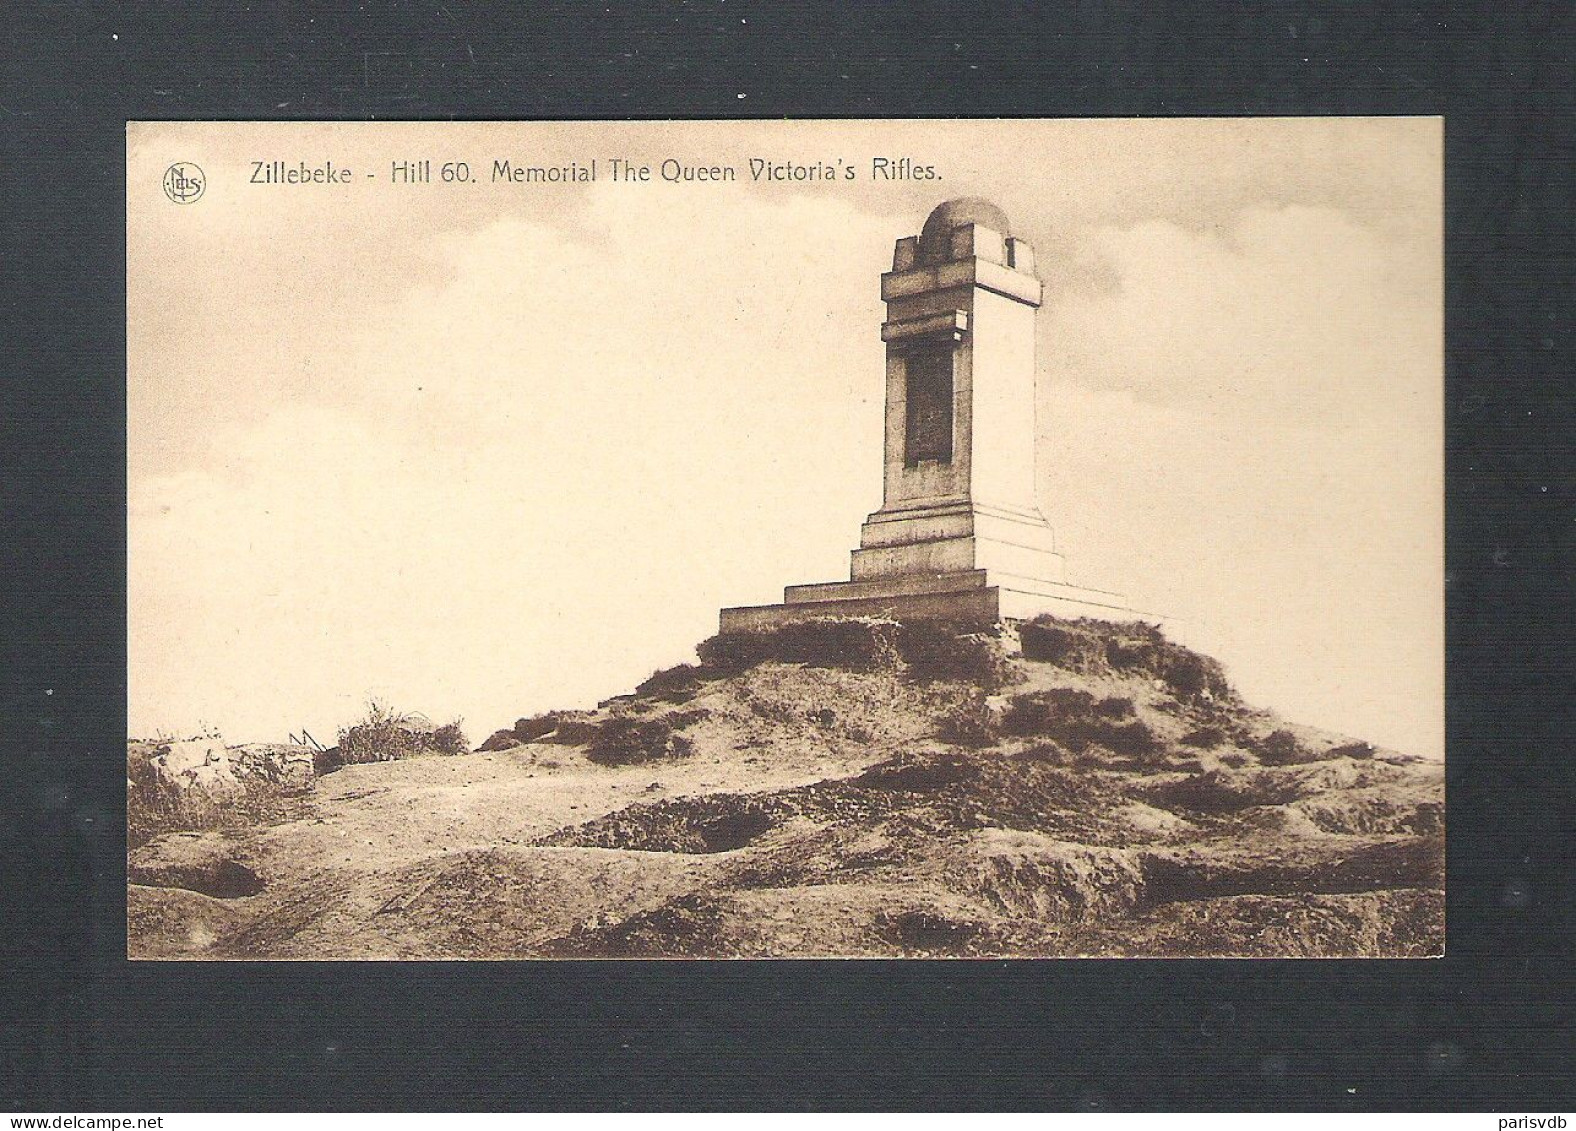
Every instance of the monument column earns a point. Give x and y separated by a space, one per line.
959 483
959 535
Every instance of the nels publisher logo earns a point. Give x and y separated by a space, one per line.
184 183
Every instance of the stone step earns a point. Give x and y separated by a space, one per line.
885 587
973 607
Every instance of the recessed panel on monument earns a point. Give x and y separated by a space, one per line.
960 535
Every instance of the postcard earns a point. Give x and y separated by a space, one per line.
785 539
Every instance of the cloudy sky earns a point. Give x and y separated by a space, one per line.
489 449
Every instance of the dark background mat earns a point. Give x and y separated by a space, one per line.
1486 1027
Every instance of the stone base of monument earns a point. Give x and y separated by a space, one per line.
973 597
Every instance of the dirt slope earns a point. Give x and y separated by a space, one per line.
854 789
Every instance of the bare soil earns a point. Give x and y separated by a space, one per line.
795 809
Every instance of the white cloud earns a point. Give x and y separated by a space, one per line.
1246 432
1306 557
522 487
1294 312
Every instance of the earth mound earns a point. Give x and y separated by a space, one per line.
845 788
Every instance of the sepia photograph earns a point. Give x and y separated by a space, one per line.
931 539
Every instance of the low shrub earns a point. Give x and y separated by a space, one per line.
450 739
1036 713
1047 752
735 829
1077 721
970 723
855 645
385 743
1114 707
1133 739
155 806
929 650
918 773
385 735
499 740
851 643
1282 748
535 726
1204 738
935 651
1222 792
1066 646
674 685
572 730
1188 675
929 933
1133 649
730 653
628 742
1359 750
1124 655
1191 676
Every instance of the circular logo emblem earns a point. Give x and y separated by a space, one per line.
184 183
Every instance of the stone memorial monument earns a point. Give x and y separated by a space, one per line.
959 535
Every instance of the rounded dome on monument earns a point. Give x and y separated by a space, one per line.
935 237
